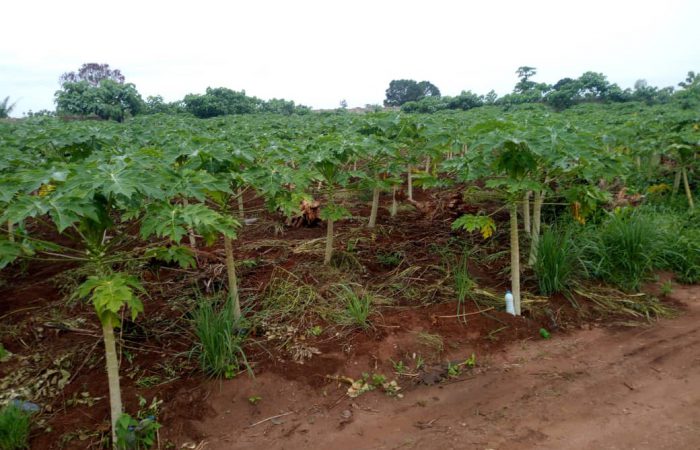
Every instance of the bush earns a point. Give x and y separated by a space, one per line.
220 345
14 428
556 262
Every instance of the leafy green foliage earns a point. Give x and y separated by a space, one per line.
402 91
107 100
173 221
110 293
179 254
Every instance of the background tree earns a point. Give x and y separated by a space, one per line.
108 100
6 108
221 102
93 74
402 91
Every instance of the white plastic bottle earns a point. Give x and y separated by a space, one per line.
510 307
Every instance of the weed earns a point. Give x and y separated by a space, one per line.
666 290
470 362
220 346
420 362
545 334
358 307
555 264
4 354
14 428
623 249
316 330
453 370
399 367
148 381
464 283
432 341
389 259
254 399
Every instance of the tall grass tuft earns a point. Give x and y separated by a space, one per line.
464 283
623 250
220 340
14 428
358 307
556 262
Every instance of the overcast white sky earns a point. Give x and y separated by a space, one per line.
320 52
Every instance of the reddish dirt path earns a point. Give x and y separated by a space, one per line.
595 389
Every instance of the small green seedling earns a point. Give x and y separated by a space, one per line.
470 362
254 399
544 333
399 367
666 288
453 370
316 330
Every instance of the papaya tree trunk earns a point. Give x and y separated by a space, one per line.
686 185
526 212
676 182
232 280
10 231
515 258
394 203
536 223
190 231
329 243
410 182
241 209
427 164
375 208
115 395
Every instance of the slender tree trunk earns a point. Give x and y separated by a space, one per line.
375 208
241 209
232 280
638 162
329 243
10 231
354 165
115 395
526 212
515 257
394 203
190 231
536 223
687 188
410 182
676 182
427 164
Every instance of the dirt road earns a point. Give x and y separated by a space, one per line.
626 388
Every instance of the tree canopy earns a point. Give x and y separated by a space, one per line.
402 91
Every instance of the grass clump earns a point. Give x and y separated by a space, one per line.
623 250
220 340
14 428
358 307
556 262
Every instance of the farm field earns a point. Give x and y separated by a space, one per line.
336 279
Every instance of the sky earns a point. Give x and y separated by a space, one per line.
318 53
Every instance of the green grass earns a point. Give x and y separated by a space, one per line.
358 307
622 250
220 341
14 428
556 262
